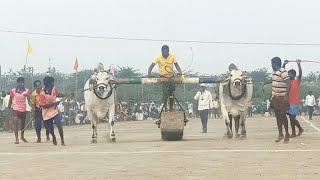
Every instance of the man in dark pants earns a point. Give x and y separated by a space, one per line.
36 110
280 97
204 99
165 61
310 103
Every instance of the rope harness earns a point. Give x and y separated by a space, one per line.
96 87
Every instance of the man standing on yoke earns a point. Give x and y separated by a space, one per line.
165 61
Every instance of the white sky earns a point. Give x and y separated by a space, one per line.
287 21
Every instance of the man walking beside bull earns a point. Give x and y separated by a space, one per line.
204 99
280 97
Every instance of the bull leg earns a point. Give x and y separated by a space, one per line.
94 121
230 134
94 131
225 116
243 134
111 123
236 120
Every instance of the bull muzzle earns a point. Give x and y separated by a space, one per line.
237 83
101 88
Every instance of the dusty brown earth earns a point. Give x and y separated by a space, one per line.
139 153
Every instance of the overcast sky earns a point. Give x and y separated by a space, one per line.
285 21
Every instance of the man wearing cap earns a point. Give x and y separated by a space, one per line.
165 61
204 99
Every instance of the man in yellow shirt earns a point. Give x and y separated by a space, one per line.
165 62
36 110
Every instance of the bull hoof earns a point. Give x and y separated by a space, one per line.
237 136
286 139
243 136
113 140
94 141
228 135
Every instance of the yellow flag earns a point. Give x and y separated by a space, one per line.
29 49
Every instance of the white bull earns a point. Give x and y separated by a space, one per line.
99 101
235 94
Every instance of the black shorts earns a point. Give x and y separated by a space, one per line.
20 115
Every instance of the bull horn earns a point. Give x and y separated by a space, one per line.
247 79
100 67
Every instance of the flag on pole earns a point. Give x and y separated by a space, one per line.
29 48
76 65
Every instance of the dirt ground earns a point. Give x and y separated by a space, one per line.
139 153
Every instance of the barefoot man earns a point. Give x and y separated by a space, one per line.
18 103
294 98
280 96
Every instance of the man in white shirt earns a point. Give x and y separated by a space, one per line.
204 99
2 108
190 109
6 112
310 103
216 106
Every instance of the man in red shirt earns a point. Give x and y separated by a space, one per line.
294 98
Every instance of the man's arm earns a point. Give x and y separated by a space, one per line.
288 82
150 68
33 102
285 63
178 67
29 101
196 97
300 69
51 105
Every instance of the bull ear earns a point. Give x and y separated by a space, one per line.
226 81
247 78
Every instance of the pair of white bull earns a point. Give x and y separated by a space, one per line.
235 93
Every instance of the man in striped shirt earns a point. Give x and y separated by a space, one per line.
280 97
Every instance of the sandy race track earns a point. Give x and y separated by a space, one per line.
139 153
